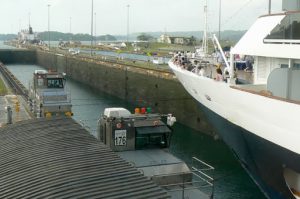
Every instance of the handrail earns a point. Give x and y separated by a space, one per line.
199 171
211 167
199 179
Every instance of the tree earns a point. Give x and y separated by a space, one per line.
144 37
192 41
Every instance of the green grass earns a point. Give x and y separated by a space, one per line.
3 90
162 49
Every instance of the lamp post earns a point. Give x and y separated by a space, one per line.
95 28
19 24
204 45
92 24
70 25
128 23
29 18
70 28
220 8
49 26
270 6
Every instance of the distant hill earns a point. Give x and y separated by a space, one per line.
231 35
56 36
4 37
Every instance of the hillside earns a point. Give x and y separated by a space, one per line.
56 36
230 35
4 37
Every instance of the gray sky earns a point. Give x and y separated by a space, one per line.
144 15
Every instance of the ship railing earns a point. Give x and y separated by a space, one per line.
200 178
207 67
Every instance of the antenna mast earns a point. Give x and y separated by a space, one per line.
29 19
220 9
204 44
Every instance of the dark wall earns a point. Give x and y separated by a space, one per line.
20 56
140 87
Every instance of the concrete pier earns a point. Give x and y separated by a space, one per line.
19 112
58 158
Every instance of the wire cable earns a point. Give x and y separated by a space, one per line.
236 13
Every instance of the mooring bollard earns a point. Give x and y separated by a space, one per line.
9 115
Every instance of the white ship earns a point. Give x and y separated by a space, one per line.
259 121
28 36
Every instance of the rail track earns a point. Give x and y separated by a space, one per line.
16 86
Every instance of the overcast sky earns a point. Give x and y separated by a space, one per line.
144 15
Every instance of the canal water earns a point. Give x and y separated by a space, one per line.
3 46
232 182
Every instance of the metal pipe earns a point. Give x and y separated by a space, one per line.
231 69
221 50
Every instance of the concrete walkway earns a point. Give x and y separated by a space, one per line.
18 114
57 158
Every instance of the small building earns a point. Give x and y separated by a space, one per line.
181 40
174 39
164 39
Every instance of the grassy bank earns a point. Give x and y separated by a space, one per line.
3 90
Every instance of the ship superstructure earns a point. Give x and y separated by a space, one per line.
257 119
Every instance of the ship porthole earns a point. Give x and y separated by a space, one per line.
292 180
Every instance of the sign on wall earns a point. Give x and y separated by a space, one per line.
120 138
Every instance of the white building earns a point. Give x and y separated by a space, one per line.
174 40
164 39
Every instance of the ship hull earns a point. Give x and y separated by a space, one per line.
263 160
262 132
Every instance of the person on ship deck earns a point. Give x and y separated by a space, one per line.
219 74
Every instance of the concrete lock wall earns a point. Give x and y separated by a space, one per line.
139 87
20 56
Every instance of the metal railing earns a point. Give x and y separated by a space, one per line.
200 178
16 85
